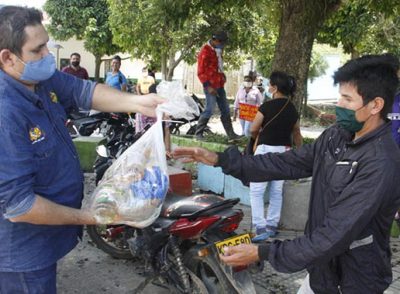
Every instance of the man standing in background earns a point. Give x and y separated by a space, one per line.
211 75
74 67
116 78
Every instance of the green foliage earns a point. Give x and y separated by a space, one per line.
364 26
318 66
84 19
167 31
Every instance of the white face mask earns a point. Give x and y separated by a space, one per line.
247 84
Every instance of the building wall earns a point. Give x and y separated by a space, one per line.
131 68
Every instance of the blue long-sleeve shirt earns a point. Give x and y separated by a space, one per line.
38 158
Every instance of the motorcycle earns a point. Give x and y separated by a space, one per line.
180 249
83 123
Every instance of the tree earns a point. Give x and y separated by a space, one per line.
299 23
364 26
168 31
86 20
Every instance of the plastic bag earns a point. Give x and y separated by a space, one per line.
133 189
180 104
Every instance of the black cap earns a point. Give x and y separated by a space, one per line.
220 36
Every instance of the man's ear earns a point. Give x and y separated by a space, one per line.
378 105
6 58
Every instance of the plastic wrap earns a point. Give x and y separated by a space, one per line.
133 189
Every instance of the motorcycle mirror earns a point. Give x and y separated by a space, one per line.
102 151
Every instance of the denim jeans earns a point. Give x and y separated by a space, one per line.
35 282
245 127
257 191
211 100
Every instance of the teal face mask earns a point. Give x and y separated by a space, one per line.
346 118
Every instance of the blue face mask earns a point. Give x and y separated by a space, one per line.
39 70
219 46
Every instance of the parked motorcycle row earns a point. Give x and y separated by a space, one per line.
180 249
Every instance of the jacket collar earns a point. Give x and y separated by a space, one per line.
209 45
381 130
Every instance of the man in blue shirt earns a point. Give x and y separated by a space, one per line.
116 78
41 184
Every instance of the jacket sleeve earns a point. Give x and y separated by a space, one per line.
202 67
346 218
293 164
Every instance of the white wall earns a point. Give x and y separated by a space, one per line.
131 68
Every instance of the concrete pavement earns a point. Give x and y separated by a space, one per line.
271 281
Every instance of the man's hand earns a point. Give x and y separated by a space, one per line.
212 91
108 99
190 154
146 104
243 254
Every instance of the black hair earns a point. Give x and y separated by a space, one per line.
373 76
116 57
248 78
75 54
13 21
285 83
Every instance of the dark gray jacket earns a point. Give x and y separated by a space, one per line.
354 197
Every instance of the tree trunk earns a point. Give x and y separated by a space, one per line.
97 67
164 68
299 23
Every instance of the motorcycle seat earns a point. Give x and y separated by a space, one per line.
176 206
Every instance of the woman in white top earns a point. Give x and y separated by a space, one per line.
247 94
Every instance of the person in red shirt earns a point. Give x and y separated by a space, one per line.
74 68
211 75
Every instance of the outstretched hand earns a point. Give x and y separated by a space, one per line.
147 104
197 154
243 254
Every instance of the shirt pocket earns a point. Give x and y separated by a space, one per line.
44 153
343 173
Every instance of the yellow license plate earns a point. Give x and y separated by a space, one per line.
234 241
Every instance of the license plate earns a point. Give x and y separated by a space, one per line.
234 241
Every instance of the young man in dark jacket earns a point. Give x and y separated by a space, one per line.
355 165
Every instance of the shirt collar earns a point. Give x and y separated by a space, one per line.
19 87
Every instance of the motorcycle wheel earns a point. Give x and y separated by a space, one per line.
206 268
117 246
198 286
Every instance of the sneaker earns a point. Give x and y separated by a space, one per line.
263 236
199 137
234 138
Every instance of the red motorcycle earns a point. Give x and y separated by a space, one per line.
180 249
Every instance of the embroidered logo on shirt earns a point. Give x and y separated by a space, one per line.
53 97
36 135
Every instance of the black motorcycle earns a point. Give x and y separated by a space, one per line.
84 123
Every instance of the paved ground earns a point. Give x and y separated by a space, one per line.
271 281
88 270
